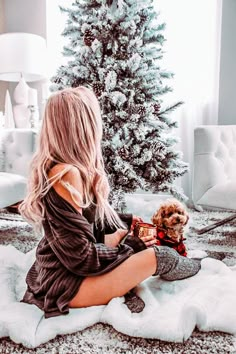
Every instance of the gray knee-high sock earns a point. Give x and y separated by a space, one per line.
172 266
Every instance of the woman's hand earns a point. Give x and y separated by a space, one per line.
112 240
148 240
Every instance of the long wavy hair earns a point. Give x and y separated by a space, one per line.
71 134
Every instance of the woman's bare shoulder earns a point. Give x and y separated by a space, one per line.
68 173
70 177
60 167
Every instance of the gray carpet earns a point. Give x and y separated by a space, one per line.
219 243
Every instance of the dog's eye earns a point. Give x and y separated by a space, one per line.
180 212
169 214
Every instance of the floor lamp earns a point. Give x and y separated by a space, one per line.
22 60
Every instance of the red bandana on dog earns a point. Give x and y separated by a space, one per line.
164 240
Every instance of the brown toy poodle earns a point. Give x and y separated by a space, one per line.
170 220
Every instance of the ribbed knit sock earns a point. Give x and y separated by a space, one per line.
172 266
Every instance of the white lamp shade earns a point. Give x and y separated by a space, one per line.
22 54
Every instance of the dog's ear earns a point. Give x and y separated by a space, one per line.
157 218
187 219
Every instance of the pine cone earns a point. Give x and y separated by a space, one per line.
88 37
157 108
123 153
105 35
98 88
141 110
143 19
76 83
121 56
157 147
133 109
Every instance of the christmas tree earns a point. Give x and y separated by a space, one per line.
116 47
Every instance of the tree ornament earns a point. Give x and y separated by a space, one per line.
88 37
98 88
157 108
123 152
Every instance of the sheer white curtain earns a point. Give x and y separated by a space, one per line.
192 52
55 22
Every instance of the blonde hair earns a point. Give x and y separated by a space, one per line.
71 134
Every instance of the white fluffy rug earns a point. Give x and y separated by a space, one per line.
172 309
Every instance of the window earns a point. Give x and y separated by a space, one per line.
56 21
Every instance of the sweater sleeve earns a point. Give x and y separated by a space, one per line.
86 258
135 243
127 220
100 232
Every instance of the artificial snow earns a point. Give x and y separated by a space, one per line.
172 309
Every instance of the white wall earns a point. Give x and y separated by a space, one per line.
227 85
26 16
3 85
22 16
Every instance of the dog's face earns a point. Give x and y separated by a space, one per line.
171 215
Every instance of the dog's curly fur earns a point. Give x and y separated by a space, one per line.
171 217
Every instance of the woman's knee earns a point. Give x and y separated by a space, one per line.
101 289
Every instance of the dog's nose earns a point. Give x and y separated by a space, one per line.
178 219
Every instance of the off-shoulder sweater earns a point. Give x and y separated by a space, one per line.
71 249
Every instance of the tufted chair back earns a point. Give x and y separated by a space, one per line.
17 147
214 181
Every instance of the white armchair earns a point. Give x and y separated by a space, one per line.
17 147
214 181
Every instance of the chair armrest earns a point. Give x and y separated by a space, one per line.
214 158
17 147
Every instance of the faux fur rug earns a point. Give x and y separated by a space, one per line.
101 338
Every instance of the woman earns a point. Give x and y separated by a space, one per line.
81 261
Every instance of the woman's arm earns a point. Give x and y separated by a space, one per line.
72 239
86 258
78 251
127 219
112 240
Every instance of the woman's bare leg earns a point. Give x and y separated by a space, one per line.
99 290
162 260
